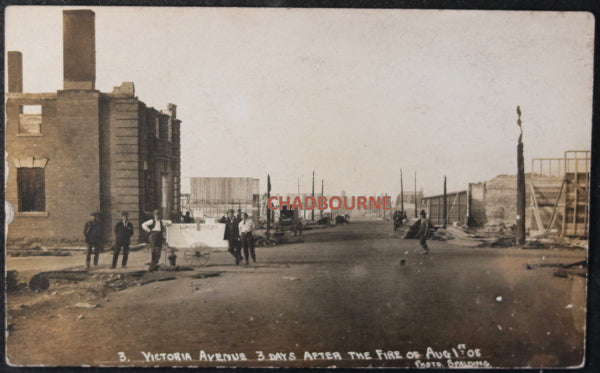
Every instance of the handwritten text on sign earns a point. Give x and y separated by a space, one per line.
196 235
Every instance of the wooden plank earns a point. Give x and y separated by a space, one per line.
576 183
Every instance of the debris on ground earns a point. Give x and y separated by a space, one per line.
156 279
176 268
291 278
137 278
38 251
138 247
459 232
442 234
499 242
39 283
206 274
11 280
84 305
578 268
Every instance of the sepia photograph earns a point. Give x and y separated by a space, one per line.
297 187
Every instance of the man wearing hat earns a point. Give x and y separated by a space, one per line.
232 235
246 228
93 232
155 227
424 231
123 233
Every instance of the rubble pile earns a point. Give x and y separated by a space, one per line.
442 234
38 251
499 242
564 270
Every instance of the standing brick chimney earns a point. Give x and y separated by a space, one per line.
79 50
15 71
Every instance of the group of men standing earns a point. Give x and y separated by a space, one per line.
239 232
93 232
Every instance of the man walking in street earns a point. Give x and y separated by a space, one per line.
232 234
123 233
155 227
246 228
423 231
93 232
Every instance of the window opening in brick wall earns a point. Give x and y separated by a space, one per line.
31 189
30 120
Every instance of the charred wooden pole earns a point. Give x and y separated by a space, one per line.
445 216
268 197
416 213
322 195
312 212
520 185
401 193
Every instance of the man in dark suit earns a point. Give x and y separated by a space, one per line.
93 232
123 233
232 235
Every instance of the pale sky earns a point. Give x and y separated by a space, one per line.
353 94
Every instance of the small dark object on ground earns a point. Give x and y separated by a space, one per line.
324 221
561 273
39 283
341 220
582 263
403 262
11 280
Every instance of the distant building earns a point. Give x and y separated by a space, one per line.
556 197
412 209
79 150
212 196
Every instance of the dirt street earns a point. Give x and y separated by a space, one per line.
354 295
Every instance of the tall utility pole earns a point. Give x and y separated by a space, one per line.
300 196
520 185
445 204
322 195
416 214
401 192
312 212
268 197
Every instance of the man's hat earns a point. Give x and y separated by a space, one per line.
124 213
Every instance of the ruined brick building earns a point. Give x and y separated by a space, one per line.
79 150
